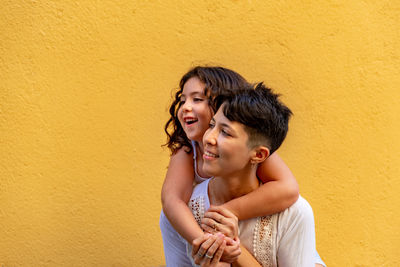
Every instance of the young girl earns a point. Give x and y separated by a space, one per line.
191 113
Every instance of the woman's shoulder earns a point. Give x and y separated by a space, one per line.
300 211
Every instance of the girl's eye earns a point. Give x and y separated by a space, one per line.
197 99
211 125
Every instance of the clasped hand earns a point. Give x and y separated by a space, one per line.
220 245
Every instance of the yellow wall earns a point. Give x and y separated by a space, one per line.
84 91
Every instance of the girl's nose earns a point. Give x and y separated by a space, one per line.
187 106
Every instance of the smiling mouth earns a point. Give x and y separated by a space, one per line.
190 121
210 155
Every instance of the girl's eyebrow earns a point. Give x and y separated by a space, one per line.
193 93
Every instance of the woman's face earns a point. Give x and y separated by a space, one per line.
226 150
194 113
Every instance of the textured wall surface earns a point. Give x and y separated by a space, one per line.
84 91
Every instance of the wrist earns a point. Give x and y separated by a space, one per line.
196 233
230 205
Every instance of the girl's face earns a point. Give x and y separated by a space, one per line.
195 113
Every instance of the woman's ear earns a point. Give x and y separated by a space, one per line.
260 153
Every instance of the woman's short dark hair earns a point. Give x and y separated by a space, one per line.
265 117
217 80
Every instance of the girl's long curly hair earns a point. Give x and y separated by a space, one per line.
217 80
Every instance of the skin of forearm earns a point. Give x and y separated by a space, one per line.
175 194
272 197
279 191
246 259
181 218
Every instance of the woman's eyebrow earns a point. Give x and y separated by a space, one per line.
222 124
225 125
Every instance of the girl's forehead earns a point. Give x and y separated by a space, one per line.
193 82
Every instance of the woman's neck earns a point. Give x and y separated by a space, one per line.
224 189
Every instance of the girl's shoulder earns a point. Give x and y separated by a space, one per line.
182 156
183 152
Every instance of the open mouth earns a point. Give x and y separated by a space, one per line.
190 121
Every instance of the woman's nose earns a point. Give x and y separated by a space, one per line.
209 137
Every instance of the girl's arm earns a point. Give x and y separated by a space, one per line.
176 192
279 191
246 259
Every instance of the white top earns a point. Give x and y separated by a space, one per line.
283 239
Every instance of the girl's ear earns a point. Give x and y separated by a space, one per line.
259 154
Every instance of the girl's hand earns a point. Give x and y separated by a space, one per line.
219 219
232 250
208 249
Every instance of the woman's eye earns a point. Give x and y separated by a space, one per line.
198 99
211 125
225 132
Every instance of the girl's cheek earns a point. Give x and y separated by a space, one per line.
179 113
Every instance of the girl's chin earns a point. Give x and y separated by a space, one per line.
197 138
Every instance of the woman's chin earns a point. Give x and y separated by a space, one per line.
209 172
